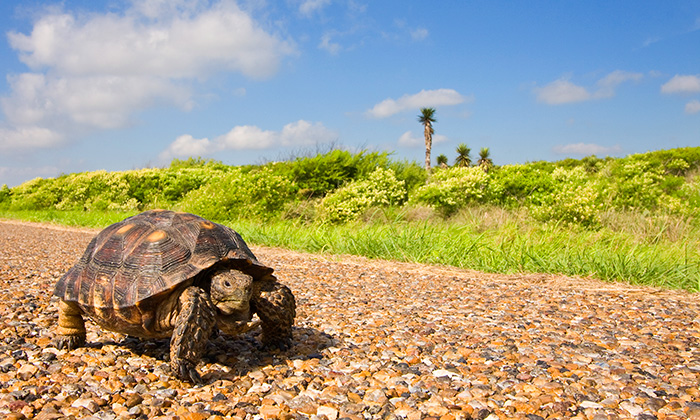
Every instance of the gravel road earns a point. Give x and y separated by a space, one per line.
373 339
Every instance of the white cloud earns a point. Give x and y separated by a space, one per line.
186 146
419 34
585 149
562 91
682 84
95 102
692 107
607 85
173 44
308 7
408 139
248 137
94 71
29 137
328 45
424 98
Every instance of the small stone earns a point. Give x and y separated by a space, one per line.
259 389
135 411
376 396
26 371
633 409
133 400
86 403
270 411
330 412
194 416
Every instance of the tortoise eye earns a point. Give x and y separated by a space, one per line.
227 283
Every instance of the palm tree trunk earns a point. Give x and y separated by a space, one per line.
428 145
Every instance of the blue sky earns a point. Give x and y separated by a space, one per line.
123 85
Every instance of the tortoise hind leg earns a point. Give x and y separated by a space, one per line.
192 329
276 307
71 326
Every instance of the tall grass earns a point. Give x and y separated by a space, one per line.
509 248
76 218
662 253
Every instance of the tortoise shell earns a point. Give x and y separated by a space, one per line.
150 255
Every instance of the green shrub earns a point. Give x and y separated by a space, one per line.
514 185
637 184
36 194
453 188
381 188
5 194
235 194
575 199
319 175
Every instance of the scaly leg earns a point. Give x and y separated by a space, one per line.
71 326
276 307
191 332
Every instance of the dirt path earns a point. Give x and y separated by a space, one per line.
373 339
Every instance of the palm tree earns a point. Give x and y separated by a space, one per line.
463 158
427 118
485 161
442 161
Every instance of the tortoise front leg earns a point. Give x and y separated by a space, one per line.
276 307
71 326
193 325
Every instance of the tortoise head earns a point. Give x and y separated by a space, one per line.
231 291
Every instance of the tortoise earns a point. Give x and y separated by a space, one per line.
164 274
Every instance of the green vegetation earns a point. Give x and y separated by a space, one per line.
633 219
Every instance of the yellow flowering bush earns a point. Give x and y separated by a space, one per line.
576 199
381 188
450 189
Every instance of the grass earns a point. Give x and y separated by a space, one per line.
75 218
655 252
511 249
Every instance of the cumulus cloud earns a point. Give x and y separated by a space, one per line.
28 137
563 91
179 44
248 137
692 107
101 102
424 98
586 149
682 84
93 72
408 139
419 34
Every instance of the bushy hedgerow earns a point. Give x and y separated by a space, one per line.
347 184
381 188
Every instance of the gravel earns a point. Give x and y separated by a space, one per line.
373 339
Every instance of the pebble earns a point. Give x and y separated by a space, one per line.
373 339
